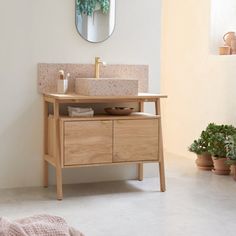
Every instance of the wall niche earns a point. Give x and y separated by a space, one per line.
223 20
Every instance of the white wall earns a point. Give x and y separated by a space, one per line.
201 86
35 31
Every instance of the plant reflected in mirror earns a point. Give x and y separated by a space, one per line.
88 7
95 19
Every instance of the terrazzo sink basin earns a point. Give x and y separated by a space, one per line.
106 86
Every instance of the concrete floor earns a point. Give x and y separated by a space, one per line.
196 203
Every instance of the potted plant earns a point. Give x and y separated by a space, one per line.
230 145
199 147
88 7
218 135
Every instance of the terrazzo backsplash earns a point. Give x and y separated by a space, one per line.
48 75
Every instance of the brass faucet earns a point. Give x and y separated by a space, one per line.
98 61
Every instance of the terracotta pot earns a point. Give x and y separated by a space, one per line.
204 161
220 167
224 50
228 37
233 168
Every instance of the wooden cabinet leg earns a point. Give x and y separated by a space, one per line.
45 178
59 183
140 171
45 163
161 154
162 177
57 152
140 165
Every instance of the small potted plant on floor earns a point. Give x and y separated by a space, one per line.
218 135
199 147
230 145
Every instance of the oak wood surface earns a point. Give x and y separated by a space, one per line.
45 138
132 116
160 145
88 142
102 139
51 139
140 165
74 96
57 153
135 140
110 164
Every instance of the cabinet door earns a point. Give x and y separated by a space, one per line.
87 142
135 140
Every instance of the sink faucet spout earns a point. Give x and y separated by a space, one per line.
98 61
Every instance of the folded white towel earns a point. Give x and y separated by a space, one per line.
79 109
81 114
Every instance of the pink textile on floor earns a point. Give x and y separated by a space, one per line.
39 225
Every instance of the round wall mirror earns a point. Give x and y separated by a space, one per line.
95 20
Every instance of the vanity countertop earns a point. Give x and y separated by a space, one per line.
74 96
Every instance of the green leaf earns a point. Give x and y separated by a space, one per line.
218 140
87 7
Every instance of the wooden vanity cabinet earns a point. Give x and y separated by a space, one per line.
135 140
86 142
102 139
